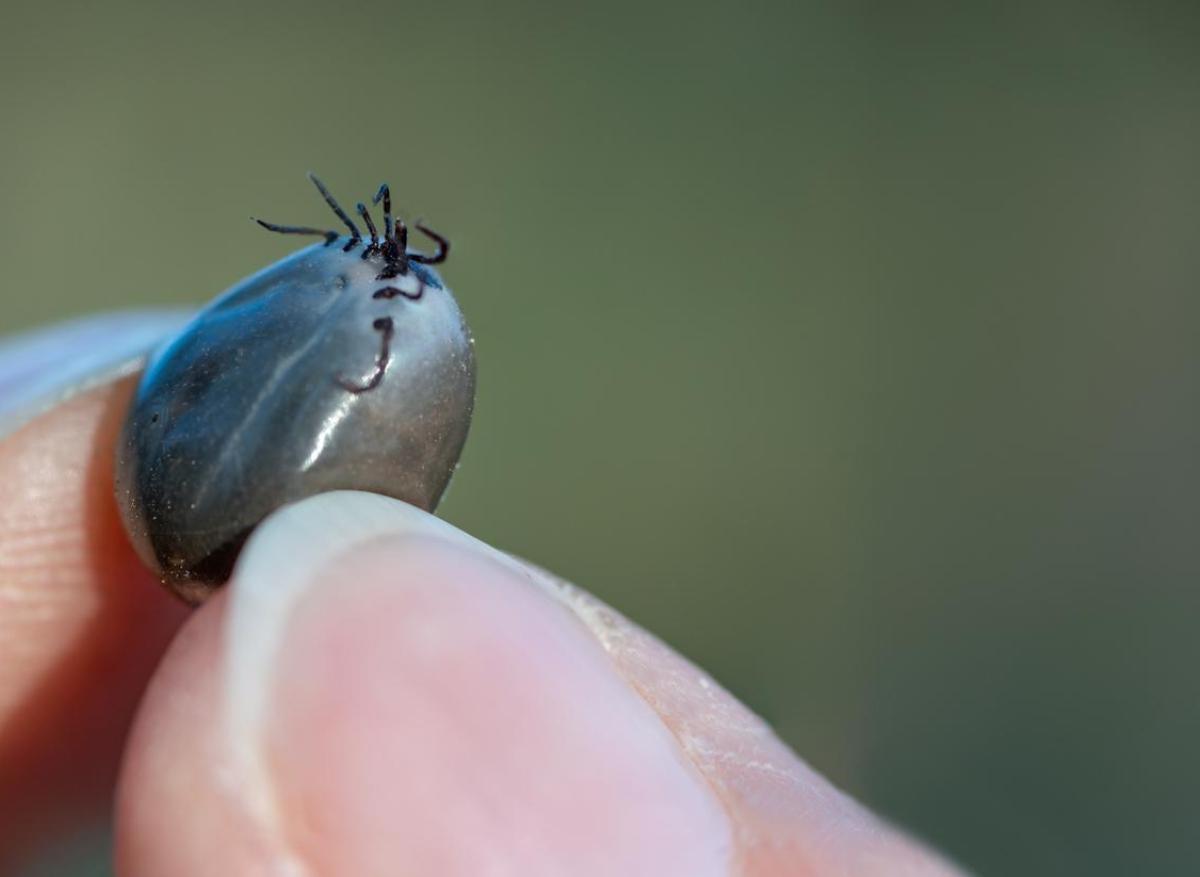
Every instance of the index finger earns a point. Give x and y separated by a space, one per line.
82 623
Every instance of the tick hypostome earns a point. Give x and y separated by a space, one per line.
346 365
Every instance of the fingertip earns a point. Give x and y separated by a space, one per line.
421 703
433 706
378 687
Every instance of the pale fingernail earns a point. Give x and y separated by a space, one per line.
41 368
398 691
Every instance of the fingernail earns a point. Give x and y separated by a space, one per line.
402 692
41 368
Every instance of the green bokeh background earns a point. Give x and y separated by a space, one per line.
851 347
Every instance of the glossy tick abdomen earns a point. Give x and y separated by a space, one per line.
318 373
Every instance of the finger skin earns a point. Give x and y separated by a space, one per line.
789 819
449 711
178 807
82 623
428 715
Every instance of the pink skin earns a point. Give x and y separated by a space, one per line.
431 707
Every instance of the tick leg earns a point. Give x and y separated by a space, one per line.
401 235
355 234
385 194
362 211
386 328
442 244
330 236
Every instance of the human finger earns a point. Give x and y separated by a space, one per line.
379 693
81 622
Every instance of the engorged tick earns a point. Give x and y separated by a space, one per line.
346 365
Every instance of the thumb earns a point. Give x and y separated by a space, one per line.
378 693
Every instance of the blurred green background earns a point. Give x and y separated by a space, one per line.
851 347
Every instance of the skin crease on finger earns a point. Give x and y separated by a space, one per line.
82 623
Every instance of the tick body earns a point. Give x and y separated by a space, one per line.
346 365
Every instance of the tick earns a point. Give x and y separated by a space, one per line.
346 365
